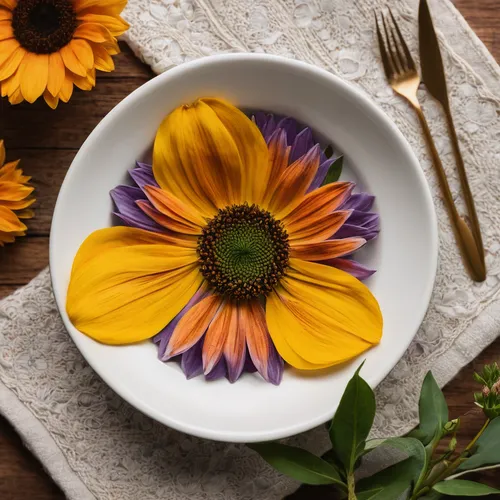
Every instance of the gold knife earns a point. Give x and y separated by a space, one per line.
435 81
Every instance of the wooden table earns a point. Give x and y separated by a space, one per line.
47 141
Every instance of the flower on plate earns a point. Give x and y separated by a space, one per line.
47 46
15 200
235 257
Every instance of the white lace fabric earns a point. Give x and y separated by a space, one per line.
94 444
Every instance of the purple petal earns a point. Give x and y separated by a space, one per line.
125 198
269 127
302 144
363 224
143 176
249 366
289 125
347 231
163 337
321 174
260 119
275 366
359 201
218 371
364 219
352 267
191 360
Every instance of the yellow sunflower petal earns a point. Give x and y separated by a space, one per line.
124 290
6 237
116 25
50 99
12 63
16 97
83 83
11 84
57 72
84 52
6 31
72 62
251 147
7 47
18 205
66 89
93 32
102 58
322 316
34 71
26 214
106 6
8 4
13 191
5 15
9 221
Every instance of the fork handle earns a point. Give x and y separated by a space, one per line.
474 261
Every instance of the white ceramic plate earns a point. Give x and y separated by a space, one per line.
405 253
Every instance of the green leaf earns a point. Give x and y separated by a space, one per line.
433 411
353 421
392 482
371 444
297 463
334 172
464 488
487 449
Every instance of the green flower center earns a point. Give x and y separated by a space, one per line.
243 252
44 26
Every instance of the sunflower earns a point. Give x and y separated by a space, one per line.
47 46
15 198
235 257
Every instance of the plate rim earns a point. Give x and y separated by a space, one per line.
137 94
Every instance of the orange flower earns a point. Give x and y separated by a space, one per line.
46 46
14 200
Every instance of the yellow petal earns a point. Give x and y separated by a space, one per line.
93 32
9 221
116 25
127 284
12 63
6 31
7 47
11 84
66 89
84 52
104 6
57 72
322 316
83 83
13 191
5 15
8 4
71 61
102 58
34 71
50 99
16 97
251 147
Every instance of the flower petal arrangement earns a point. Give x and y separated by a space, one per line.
235 255
15 199
47 46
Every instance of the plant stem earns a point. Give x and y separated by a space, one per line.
351 487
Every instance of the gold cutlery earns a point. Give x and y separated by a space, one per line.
404 79
434 79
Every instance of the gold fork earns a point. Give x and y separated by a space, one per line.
404 79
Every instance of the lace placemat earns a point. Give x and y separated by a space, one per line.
98 447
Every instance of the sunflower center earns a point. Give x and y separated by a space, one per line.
243 252
44 26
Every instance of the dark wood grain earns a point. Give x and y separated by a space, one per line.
48 140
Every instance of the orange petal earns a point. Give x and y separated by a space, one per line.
13 191
319 229
294 181
57 73
83 83
93 32
5 15
322 316
34 70
127 284
253 322
318 203
25 214
234 347
166 221
72 62
16 97
326 249
279 154
66 89
9 221
83 52
50 99
18 205
7 47
116 25
6 237
108 6
11 84
192 326
224 321
2 154
102 58
8 4
169 205
6 31
12 63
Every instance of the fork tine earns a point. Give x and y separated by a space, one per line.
398 54
398 68
383 52
409 60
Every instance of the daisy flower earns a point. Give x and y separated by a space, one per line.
47 46
15 200
235 257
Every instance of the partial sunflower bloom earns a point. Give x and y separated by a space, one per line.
15 200
236 257
47 46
